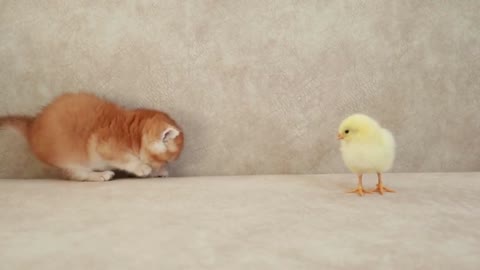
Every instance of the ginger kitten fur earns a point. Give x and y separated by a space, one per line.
87 137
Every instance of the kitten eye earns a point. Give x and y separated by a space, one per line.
347 131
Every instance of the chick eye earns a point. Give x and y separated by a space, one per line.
347 131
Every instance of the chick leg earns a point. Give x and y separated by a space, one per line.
380 187
359 190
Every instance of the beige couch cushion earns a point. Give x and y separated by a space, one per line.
257 222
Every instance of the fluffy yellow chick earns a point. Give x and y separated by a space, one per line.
366 148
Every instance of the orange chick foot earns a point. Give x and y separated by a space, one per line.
359 190
381 189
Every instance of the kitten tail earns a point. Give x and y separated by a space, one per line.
19 122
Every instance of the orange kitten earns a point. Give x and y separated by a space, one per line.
88 137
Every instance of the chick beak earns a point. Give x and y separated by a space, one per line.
340 136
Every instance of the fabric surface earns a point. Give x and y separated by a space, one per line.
256 222
259 86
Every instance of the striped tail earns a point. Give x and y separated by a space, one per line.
19 122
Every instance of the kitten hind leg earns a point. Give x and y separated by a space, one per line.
84 174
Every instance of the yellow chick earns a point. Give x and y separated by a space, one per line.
366 147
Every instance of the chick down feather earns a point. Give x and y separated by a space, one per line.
366 146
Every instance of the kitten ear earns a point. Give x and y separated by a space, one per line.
170 134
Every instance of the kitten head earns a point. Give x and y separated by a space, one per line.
162 142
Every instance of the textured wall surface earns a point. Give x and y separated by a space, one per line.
259 86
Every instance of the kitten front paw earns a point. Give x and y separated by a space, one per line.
100 176
162 172
142 170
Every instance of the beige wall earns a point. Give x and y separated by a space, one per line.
259 86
